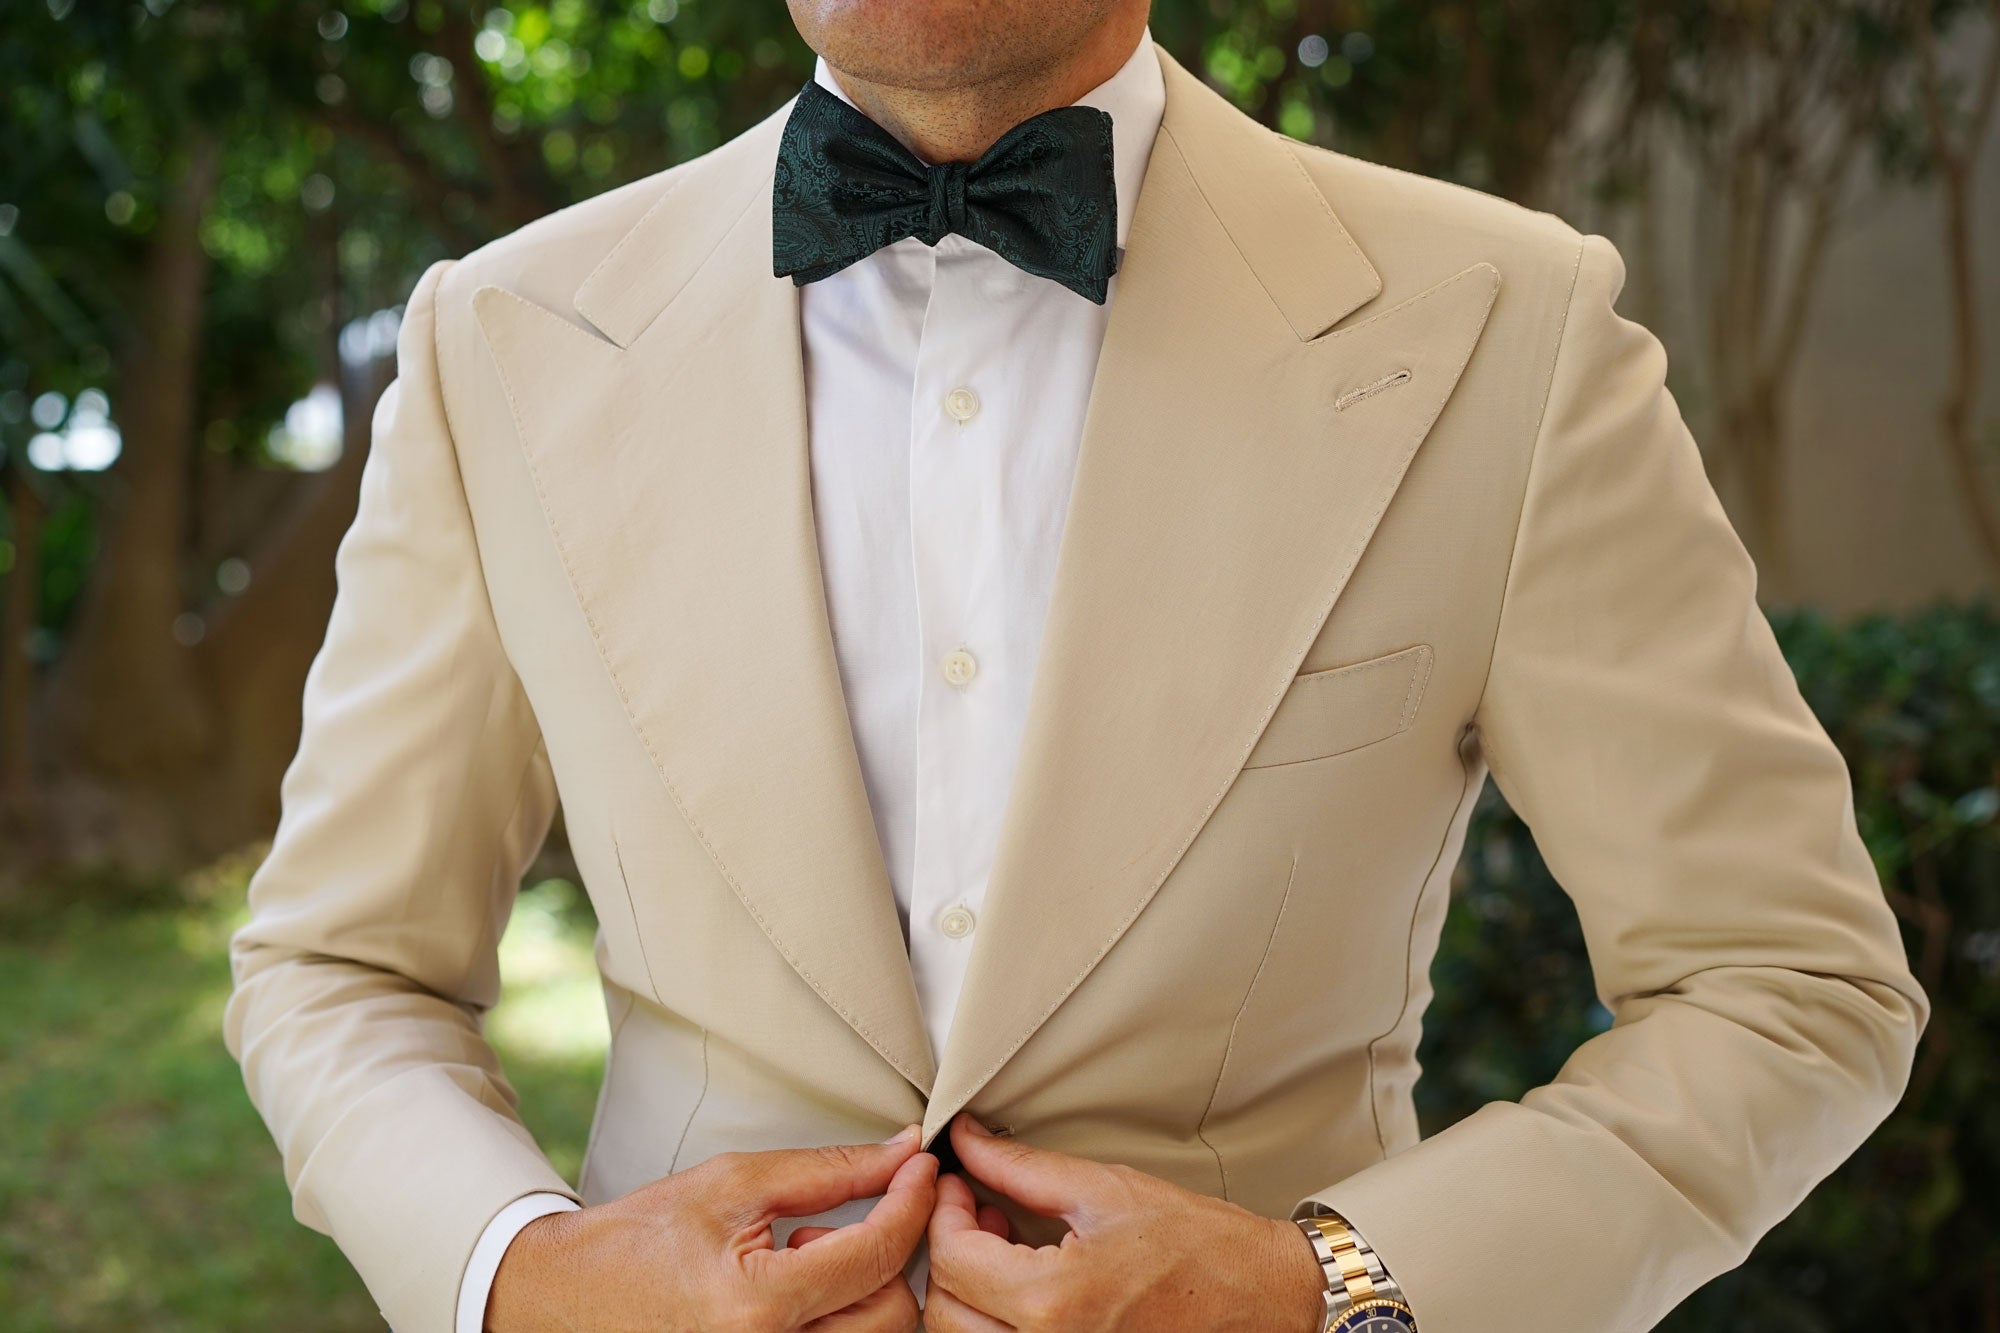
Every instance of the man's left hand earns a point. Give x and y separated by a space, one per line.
1140 1253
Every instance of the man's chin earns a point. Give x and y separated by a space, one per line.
937 45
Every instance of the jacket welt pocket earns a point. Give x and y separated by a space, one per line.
1343 708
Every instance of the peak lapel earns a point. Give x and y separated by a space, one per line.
1221 501
671 464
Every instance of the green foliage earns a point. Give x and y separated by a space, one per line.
1471 90
360 142
138 1189
1906 1233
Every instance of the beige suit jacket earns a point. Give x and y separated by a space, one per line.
1375 492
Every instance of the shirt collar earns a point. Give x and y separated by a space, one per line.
1136 97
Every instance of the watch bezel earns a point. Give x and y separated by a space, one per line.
1371 1307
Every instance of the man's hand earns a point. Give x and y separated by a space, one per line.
1140 1253
695 1250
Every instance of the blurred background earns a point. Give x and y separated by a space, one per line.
211 209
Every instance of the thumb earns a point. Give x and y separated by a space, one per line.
798 1182
1051 1183
844 1264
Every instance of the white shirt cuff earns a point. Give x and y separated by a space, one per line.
477 1284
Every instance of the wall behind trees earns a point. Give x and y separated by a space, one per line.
1878 523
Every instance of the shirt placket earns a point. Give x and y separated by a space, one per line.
962 643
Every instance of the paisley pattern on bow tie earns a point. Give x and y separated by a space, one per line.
1042 197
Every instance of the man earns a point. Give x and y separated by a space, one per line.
1016 575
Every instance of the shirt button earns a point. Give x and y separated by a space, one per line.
958 666
961 404
957 922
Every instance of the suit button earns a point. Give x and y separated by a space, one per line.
956 922
958 666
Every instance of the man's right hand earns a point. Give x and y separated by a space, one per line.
695 1250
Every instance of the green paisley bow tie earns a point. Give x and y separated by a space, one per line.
1042 197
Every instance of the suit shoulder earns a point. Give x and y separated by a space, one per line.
546 259
1419 229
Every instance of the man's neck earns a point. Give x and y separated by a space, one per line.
958 124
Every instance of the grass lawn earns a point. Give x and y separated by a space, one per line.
138 1189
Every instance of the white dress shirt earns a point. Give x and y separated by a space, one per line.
945 394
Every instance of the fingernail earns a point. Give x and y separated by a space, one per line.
973 1124
906 1132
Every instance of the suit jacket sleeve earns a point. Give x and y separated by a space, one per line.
419 791
1640 718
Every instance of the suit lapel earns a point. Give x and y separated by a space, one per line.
1220 503
672 468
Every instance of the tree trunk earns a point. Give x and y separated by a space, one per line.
1758 433
1959 414
1957 162
261 642
20 829
124 718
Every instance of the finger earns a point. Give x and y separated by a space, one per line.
798 1182
890 1308
994 1222
946 1313
1053 1183
977 1266
847 1263
987 1217
801 1235
954 1196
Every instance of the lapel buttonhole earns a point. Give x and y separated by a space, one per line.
1353 396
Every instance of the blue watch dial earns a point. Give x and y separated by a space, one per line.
1376 1316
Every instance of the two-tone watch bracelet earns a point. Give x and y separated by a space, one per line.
1354 1274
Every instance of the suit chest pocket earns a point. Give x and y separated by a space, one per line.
1343 708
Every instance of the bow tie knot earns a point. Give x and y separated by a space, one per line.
1043 197
947 211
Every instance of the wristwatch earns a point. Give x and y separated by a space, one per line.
1361 1297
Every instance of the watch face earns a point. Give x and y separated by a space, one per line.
1377 1316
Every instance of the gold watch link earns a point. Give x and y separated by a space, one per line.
1357 1284
1345 1256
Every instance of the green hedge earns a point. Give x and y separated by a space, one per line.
1903 1235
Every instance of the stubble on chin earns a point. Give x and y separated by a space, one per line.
941 45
